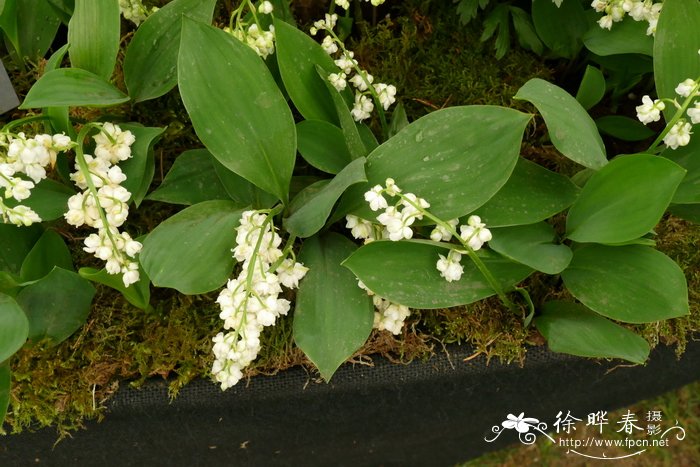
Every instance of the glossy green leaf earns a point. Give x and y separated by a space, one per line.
64 9
676 46
689 212
138 294
5 385
72 87
140 168
399 120
241 190
48 252
191 180
592 87
405 272
55 60
333 317
236 108
573 329
16 243
624 200
688 157
308 218
531 194
57 305
625 37
632 284
49 199
297 57
150 62
560 27
532 245
322 145
191 251
34 29
571 129
14 327
93 36
456 158
624 128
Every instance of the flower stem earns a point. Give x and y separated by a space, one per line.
677 116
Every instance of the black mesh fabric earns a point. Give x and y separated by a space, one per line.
430 413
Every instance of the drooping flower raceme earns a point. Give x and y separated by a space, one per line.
103 203
678 130
252 33
252 301
395 223
639 10
23 158
133 10
367 93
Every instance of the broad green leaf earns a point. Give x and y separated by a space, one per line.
624 200
689 212
16 243
399 120
37 24
64 9
8 22
308 218
560 28
49 199
573 329
57 305
5 385
624 128
571 129
54 61
531 194
456 159
351 133
532 245
150 62
368 138
322 145
191 251
632 284
14 327
72 87
191 180
236 108
405 272
242 191
138 294
333 317
93 36
140 168
592 87
688 157
50 251
297 57
625 37
676 46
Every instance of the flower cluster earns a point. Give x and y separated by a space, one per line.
679 134
251 301
25 157
346 3
395 224
103 202
253 35
639 10
133 10
366 91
